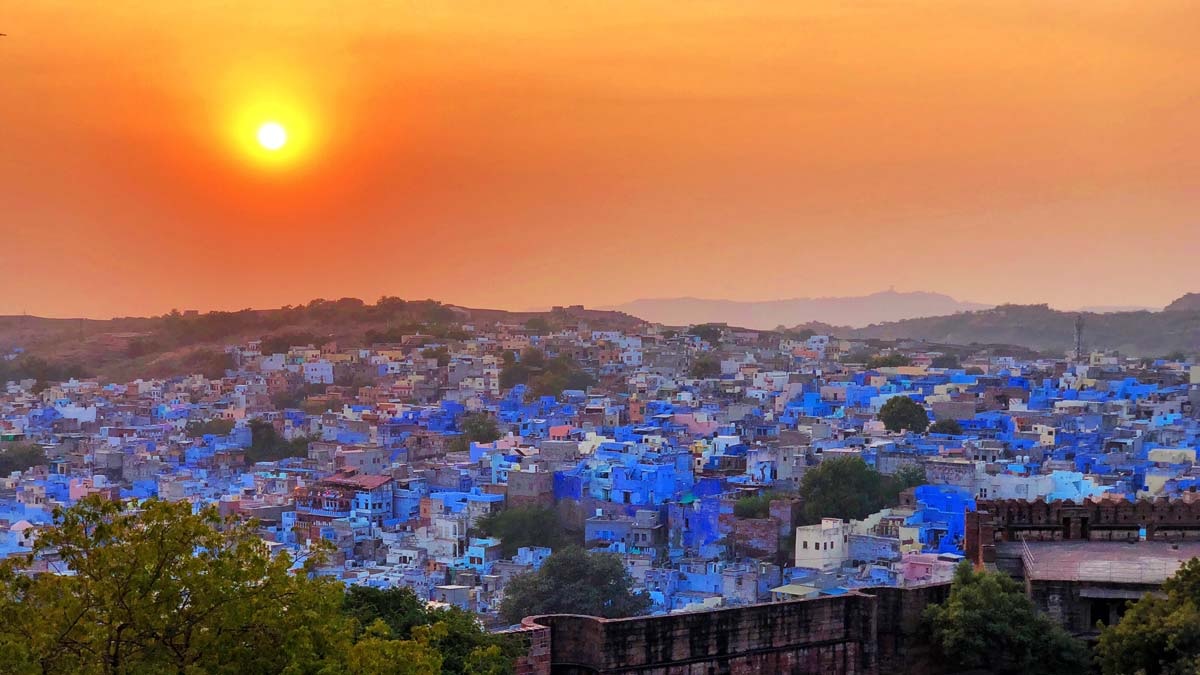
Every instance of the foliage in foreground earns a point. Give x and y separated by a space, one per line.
989 624
1158 634
162 589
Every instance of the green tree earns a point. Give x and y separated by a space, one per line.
282 342
756 506
705 366
377 653
946 426
217 427
908 476
210 363
533 357
28 367
846 488
710 333
163 589
989 624
398 607
519 371
158 588
266 445
476 428
20 456
559 374
523 526
901 412
479 427
1158 634
573 581
538 324
461 642
858 356
441 354
889 361
945 361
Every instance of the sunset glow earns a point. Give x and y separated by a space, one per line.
272 136
270 128
549 138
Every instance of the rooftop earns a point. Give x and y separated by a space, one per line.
1144 562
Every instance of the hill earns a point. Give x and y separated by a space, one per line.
1190 302
1141 333
843 311
125 348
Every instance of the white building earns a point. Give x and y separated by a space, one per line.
824 546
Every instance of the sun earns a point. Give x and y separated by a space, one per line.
272 136
272 130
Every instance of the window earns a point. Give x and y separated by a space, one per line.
806 546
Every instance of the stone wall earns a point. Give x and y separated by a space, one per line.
899 644
1093 520
874 631
757 538
536 641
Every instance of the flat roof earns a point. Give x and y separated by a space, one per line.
1143 562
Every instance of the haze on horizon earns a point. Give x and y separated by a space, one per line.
531 153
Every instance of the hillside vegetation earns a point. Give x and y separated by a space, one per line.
179 343
1040 327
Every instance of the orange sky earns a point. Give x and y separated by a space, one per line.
519 154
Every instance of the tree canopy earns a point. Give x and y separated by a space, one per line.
20 456
710 333
266 445
159 588
901 412
217 427
756 506
455 635
945 361
544 377
573 581
163 589
846 488
441 354
947 426
523 526
476 428
28 367
705 366
989 624
537 324
1158 634
889 361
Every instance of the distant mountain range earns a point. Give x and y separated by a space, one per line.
939 318
861 310
1139 333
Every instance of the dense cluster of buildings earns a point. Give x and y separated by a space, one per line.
649 462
